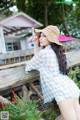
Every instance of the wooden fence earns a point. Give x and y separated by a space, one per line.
16 56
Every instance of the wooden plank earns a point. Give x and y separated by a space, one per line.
73 58
14 75
17 53
13 65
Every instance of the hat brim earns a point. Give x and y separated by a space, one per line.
38 30
42 30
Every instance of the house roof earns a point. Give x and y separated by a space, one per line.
18 22
65 38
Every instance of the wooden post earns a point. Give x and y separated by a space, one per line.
36 90
26 93
24 58
14 60
4 101
9 60
13 99
19 59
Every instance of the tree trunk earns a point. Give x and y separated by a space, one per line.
46 14
21 5
63 19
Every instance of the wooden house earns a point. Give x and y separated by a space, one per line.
16 32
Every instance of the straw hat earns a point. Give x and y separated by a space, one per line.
51 32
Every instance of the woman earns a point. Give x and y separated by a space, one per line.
51 63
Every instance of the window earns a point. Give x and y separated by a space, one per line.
13 46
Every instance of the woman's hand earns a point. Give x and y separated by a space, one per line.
36 38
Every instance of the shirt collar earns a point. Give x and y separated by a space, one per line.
48 46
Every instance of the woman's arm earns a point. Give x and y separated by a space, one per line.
36 42
35 63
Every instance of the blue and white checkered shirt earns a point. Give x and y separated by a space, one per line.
53 83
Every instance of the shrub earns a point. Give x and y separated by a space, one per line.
75 75
23 110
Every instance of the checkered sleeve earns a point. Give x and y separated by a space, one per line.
34 63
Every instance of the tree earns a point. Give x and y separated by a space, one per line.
63 19
5 5
65 16
44 11
21 5
72 19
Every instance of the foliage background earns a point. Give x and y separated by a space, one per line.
66 16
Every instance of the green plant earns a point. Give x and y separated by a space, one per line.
49 113
31 110
50 110
23 110
75 75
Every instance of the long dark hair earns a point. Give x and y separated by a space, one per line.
59 50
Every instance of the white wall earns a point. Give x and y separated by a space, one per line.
2 41
23 44
9 39
29 44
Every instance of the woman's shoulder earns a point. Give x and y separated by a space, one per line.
42 51
45 52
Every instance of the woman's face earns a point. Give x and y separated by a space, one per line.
43 40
